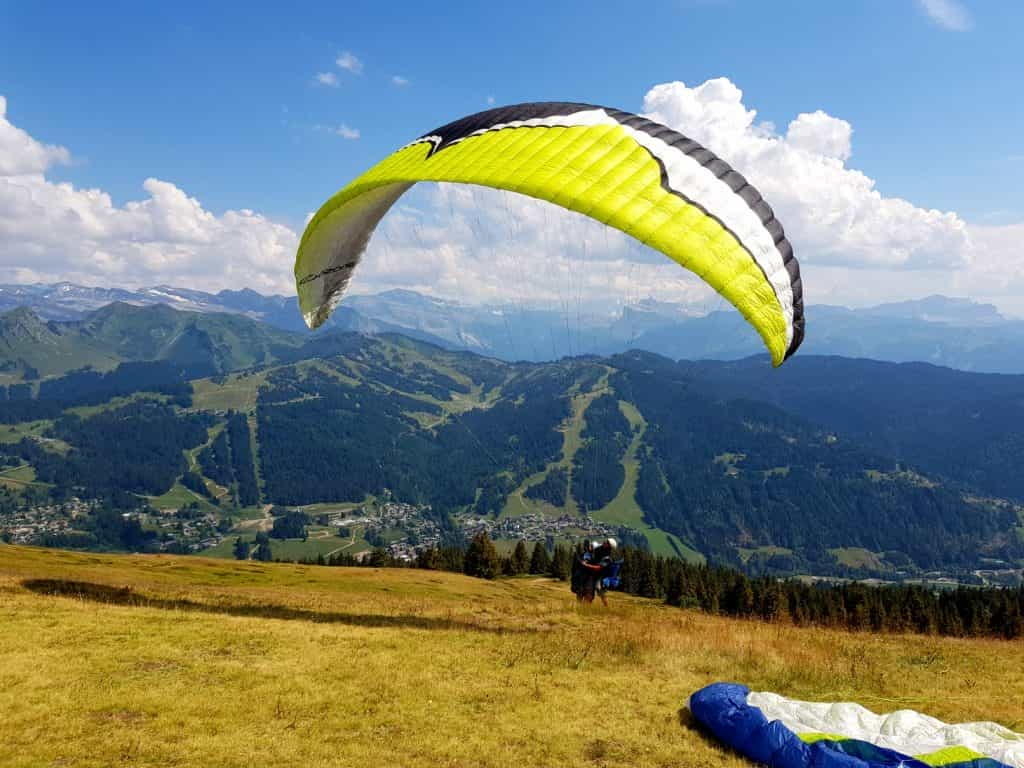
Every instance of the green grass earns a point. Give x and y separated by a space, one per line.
237 664
856 557
731 462
288 549
179 496
86 411
238 392
906 476
330 507
18 476
14 433
248 513
746 553
23 473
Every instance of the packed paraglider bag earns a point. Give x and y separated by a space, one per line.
610 575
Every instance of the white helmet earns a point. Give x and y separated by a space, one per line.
612 543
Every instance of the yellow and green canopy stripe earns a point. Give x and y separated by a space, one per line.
630 173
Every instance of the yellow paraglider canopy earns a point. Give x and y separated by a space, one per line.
630 173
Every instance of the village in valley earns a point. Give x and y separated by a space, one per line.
401 529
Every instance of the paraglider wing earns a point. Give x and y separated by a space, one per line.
784 733
630 173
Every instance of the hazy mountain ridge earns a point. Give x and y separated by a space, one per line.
953 332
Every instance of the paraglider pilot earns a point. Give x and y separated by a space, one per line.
594 571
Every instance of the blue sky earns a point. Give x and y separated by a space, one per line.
221 100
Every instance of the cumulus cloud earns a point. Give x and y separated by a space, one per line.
833 214
822 134
328 79
399 81
345 131
20 153
349 62
950 14
55 231
856 245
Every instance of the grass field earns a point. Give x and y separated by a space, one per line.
746 553
88 411
321 541
211 662
237 392
15 433
856 557
179 496
18 477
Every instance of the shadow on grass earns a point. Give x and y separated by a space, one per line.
108 595
690 723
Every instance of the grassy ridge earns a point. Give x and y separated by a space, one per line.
211 662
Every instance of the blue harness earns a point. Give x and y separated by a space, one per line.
612 580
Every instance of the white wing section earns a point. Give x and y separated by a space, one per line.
906 731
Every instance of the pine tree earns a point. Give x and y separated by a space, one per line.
649 584
264 553
540 562
520 559
482 558
241 549
561 562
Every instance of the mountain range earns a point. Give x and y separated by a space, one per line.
826 464
956 333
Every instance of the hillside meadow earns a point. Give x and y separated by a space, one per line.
160 660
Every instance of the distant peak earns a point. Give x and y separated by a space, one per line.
953 310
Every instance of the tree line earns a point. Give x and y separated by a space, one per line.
958 612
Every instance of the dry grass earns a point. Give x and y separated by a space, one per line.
205 662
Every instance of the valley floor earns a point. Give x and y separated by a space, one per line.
209 662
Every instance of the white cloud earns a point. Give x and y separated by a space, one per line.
856 245
950 14
55 231
833 214
345 131
490 101
21 154
399 81
822 134
328 79
349 62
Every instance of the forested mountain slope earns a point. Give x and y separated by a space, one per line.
776 469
